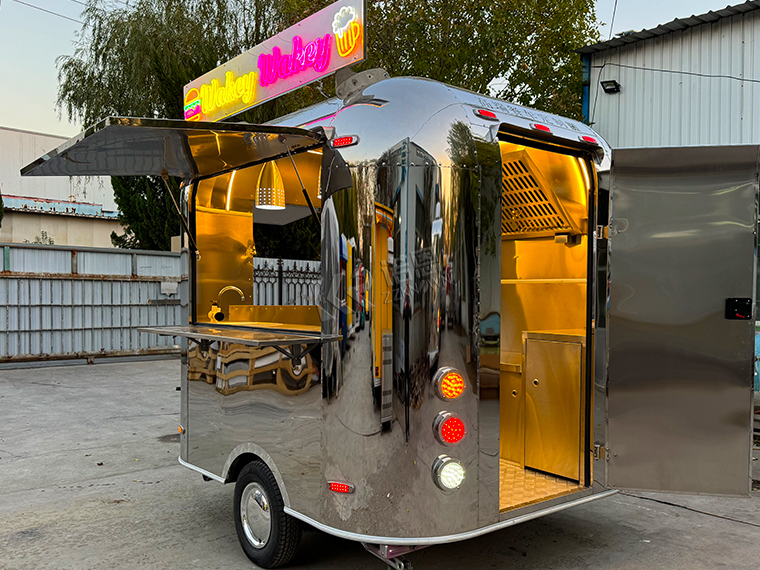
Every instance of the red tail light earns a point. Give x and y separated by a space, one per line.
540 127
340 487
448 428
344 141
588 139
485 114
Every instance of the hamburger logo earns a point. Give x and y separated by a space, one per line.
193 105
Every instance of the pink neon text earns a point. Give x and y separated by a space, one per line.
276 66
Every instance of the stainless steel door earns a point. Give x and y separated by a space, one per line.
682 242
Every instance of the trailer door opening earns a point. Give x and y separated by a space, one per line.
543 341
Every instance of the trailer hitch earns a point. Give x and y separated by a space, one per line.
393 556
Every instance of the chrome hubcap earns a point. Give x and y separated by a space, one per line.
256 515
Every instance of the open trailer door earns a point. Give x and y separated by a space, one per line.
126 146
681 319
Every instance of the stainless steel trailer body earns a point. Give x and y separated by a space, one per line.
461 242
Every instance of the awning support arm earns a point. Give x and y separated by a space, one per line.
303 189
165 178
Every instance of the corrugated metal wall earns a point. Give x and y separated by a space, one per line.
58 302
61 302
655 108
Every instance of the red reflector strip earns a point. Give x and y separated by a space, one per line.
340 487
344 141
485 114
591 140
540 127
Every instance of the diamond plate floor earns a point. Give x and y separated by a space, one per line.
520 487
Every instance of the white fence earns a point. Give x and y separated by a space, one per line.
61 302
65 302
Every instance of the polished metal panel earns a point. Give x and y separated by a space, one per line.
239 394
425 180
243 336
682 241
506 521
123 146
553 398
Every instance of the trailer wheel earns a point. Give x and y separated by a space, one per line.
269 537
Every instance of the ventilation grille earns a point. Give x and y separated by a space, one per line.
528 206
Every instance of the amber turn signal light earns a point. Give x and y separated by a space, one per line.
449 384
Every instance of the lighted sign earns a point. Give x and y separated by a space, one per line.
311 49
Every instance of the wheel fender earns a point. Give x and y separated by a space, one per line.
258 451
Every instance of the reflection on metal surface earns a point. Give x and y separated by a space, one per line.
415 280
123 146
679 372
256 515
417 540
520 487
233 368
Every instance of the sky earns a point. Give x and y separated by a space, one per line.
31 40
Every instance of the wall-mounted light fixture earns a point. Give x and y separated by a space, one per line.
610 86
270 191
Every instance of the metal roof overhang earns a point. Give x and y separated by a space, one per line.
676 25
125 146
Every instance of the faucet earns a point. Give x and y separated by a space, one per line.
216 314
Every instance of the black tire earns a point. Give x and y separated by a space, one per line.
284 531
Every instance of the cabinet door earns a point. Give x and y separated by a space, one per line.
682 247
553 407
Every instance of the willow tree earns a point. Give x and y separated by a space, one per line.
135 60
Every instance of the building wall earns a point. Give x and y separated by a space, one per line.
19 148
671 109
18 227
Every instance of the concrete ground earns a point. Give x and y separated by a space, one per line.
89 479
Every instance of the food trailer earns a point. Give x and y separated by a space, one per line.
549 321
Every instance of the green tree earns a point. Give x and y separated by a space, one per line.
146 212
519 50
135 60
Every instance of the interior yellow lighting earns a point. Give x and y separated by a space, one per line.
270 190
584 171
229 189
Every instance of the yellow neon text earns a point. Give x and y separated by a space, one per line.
216 95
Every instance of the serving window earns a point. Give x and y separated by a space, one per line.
252 227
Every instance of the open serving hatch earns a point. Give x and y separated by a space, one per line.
127 146
206 156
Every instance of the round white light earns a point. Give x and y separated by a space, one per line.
448 473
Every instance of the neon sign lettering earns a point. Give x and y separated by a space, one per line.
216 95
321 44
276 66
347 30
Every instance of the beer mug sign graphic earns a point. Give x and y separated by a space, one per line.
347 30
